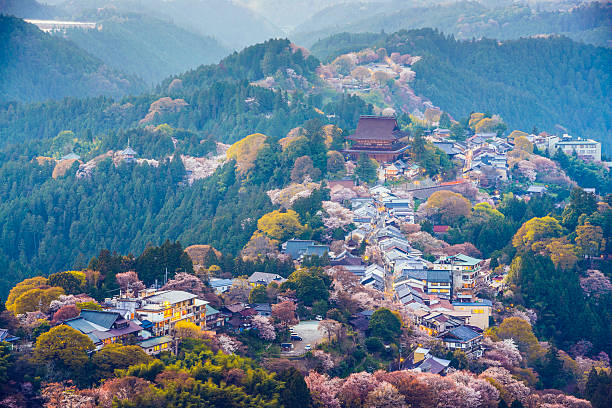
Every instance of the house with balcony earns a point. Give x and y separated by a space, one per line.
464 270
214 318
166 308
430 281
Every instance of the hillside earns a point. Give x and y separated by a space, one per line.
589 22
42 67
146 47
218 99
27 9
234 25
129 207
541 82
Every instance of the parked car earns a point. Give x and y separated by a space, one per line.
308 347
319 318
295 337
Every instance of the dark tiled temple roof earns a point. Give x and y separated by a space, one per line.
377 128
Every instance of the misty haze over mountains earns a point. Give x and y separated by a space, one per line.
237 23
138 43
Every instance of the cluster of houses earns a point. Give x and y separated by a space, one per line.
483 156
149 318
438 294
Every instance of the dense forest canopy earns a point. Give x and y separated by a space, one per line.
37 66
215 99
45 225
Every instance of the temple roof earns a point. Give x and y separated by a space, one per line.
377 128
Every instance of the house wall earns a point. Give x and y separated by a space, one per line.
478 315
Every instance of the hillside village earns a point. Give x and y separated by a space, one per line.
384 275
277 231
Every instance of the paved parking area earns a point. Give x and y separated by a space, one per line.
309 331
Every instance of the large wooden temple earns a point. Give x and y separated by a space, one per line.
378 137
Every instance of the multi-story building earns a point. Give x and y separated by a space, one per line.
464 270
427 280
586 149
166 308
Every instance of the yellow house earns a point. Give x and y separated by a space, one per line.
479 312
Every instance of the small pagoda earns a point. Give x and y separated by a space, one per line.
378 137
128 155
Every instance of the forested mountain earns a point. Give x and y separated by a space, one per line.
536 81
147 47
37 66
234 25
218 100
27 9
47 222
589 22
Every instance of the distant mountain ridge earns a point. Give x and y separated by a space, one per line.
39 66
147 47
234 25
589 22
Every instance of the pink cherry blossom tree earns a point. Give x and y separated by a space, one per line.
264 327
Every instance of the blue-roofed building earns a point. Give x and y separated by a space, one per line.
463 338
298 248
156 345
220 285
478 310
7 337
104 327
